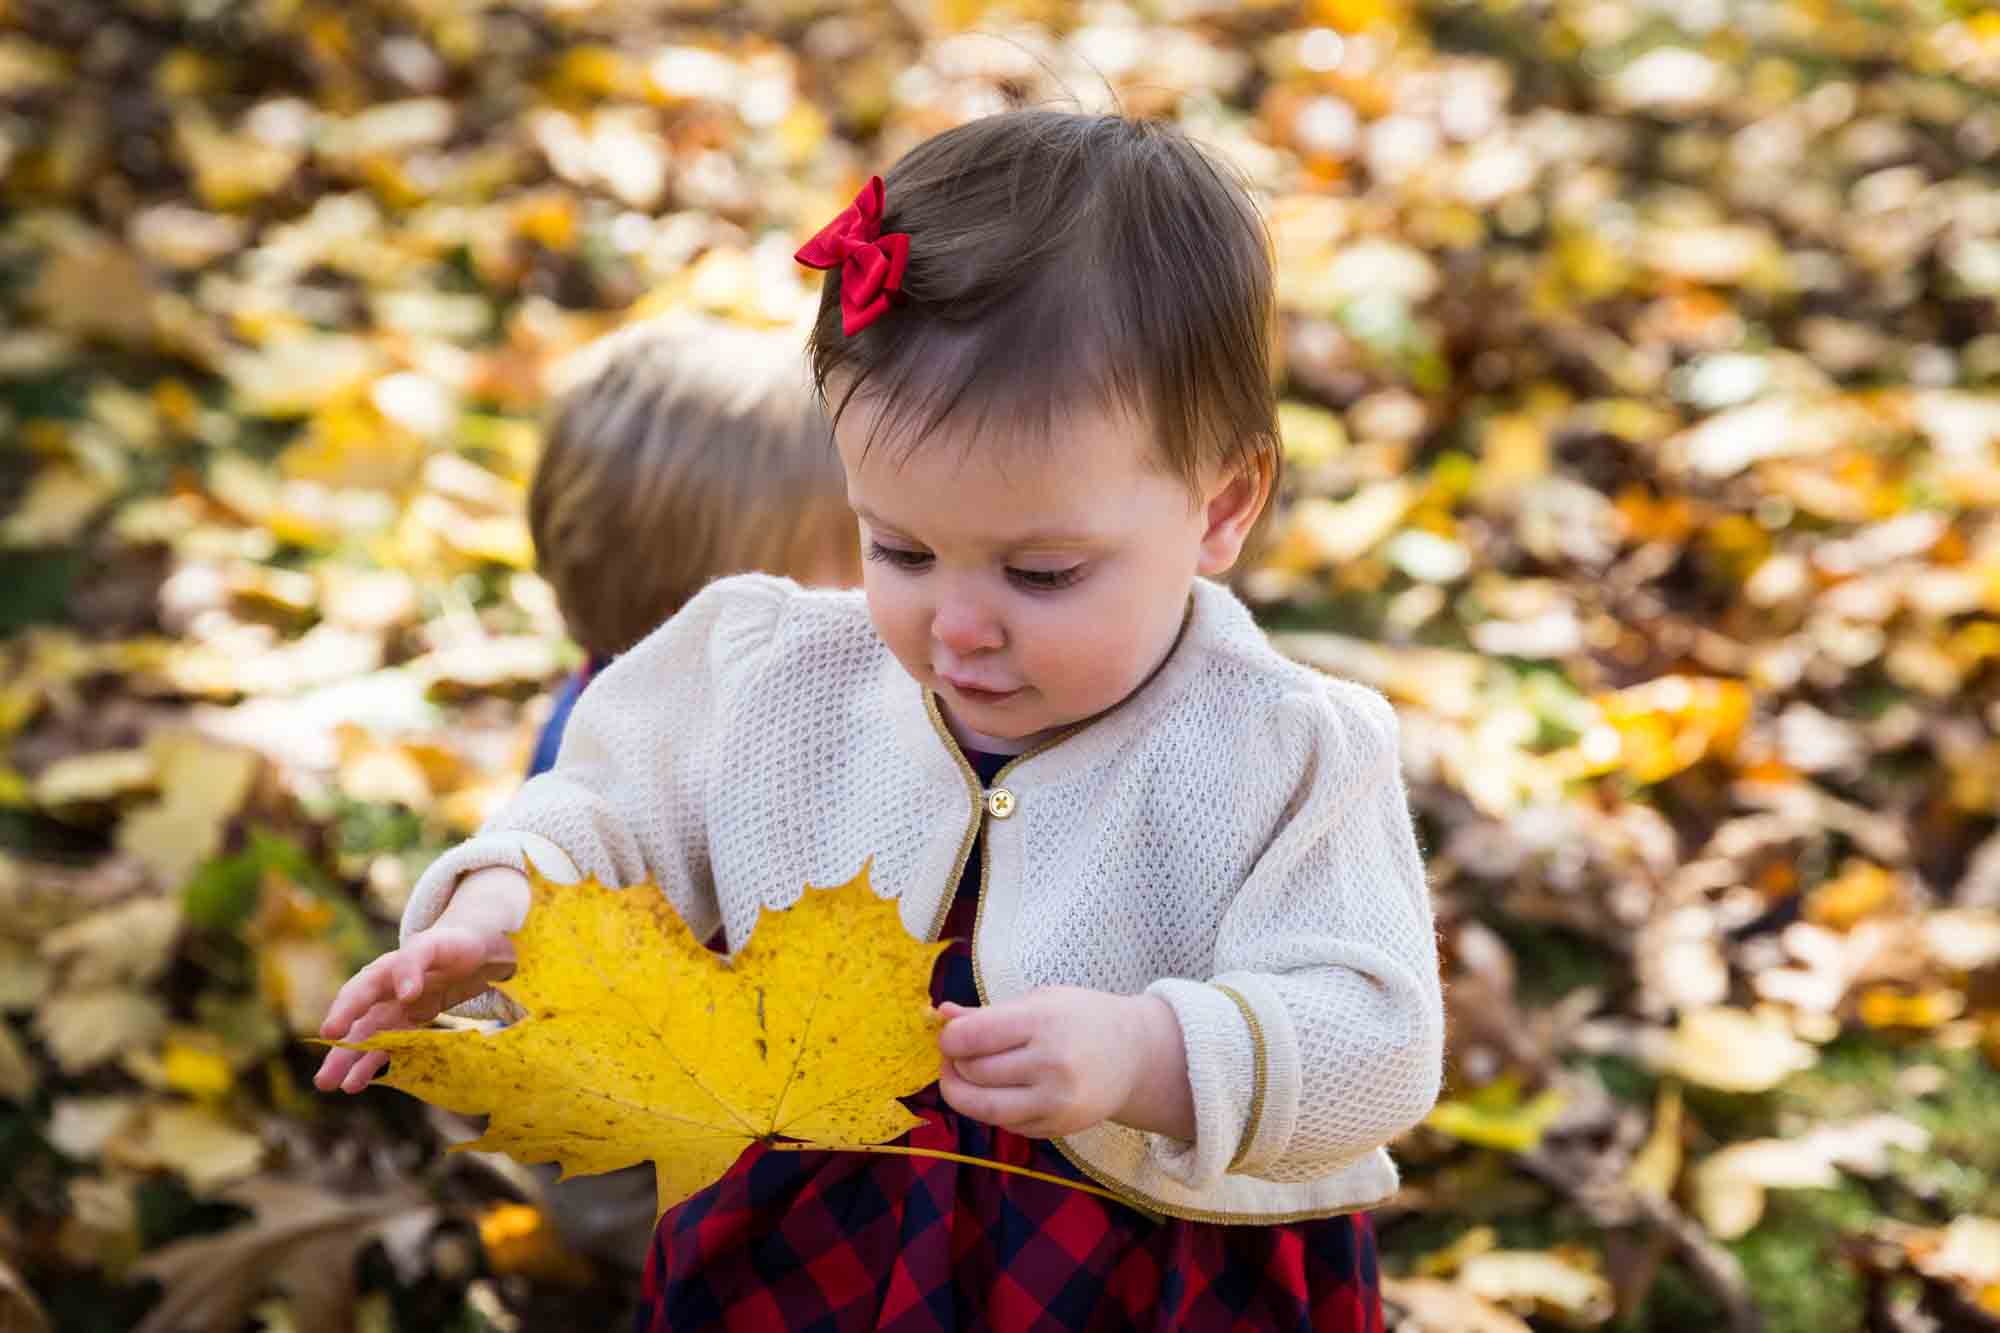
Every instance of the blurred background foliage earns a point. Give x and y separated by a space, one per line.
1642 401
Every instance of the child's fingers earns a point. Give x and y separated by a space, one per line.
1009 1069
365 1068
360 994
333 1069
977 1032
435 959
1006 1107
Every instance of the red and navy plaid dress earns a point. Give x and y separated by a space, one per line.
845 1242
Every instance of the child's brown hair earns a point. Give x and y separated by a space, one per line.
684 450
1062 261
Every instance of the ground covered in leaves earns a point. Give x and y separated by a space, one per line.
1642 395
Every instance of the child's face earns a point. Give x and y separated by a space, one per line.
1033 586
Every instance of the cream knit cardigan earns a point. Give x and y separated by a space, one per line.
1234 838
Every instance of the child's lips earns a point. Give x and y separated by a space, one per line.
980 693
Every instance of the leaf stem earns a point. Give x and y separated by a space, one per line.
895 1150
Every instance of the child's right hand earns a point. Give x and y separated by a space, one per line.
457 958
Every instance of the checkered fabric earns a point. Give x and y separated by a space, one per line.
845 1242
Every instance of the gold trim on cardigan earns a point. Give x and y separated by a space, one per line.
1254 1121
1134 1199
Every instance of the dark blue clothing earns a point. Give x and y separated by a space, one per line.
550 741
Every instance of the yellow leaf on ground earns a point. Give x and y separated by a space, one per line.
196 1069
1888 1007
1862 889
1497 1116
1657 1164
521 1238
1445 1262
641 1045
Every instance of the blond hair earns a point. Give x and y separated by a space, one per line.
678 451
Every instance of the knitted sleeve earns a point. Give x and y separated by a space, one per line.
625 802
1321 1037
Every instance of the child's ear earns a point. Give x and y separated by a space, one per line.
1234 502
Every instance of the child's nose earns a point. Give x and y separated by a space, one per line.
965 628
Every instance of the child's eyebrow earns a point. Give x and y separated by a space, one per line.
1049 540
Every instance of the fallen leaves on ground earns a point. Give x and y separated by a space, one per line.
1641 400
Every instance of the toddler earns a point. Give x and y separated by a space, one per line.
680 450
1192 957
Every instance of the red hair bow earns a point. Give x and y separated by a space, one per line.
871 264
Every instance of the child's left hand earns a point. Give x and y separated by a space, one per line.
1060 1060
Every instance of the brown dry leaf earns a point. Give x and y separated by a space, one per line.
102 1229
93 286
85 1028
304 1242
20 1312
18 1075
299 977
24 977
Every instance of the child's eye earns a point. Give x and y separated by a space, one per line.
900 557
1046 580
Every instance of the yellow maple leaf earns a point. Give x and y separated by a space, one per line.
639 1044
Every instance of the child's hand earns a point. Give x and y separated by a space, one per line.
465 952
1060 1060
407 988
